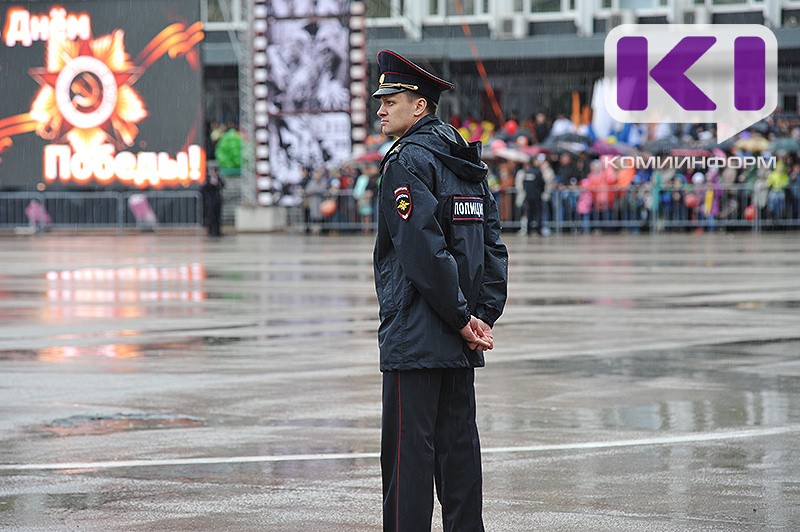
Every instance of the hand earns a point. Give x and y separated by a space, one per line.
476 336
487 331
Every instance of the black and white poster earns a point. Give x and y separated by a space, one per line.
311 141
310 84
308 65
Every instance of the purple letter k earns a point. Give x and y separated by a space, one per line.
670 73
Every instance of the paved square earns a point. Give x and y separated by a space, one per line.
170 382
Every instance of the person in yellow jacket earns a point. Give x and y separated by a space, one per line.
777 182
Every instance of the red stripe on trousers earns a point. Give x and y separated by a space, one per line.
399 438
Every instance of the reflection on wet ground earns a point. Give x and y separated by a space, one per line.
78 352
177 383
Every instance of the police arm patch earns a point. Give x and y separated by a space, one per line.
467 209
402 200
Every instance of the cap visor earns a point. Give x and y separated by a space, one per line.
385 92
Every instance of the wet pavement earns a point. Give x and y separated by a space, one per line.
171 382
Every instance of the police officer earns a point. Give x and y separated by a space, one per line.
533 185
440 274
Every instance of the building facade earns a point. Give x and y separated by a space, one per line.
535 52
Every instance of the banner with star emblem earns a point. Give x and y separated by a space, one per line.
100 95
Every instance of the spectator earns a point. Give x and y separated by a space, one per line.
228 151
673 198
364 192
777 182
519 193
760 195
38 217
626 196
584 204
569 194
601 180
212 201
143 213
506 186
567 169
316 190
793 192
533 185
551 184
643 205
542 128
711 197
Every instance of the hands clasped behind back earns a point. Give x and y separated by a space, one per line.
478 334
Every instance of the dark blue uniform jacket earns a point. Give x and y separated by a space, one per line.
438 254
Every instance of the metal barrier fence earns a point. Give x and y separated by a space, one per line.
634 208
101 210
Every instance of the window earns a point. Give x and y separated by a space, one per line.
222 11
635 4
468 7
434 7
545 6
379 8
518 7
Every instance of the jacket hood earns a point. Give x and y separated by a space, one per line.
446 143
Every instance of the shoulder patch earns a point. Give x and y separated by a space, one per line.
467 209
402 200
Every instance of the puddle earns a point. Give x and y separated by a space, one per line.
93 425
702 388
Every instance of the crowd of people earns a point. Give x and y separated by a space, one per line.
585 194
542 185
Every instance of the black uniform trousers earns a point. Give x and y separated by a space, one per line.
429 432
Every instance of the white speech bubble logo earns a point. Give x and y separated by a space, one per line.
692 73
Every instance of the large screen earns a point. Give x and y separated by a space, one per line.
100 94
